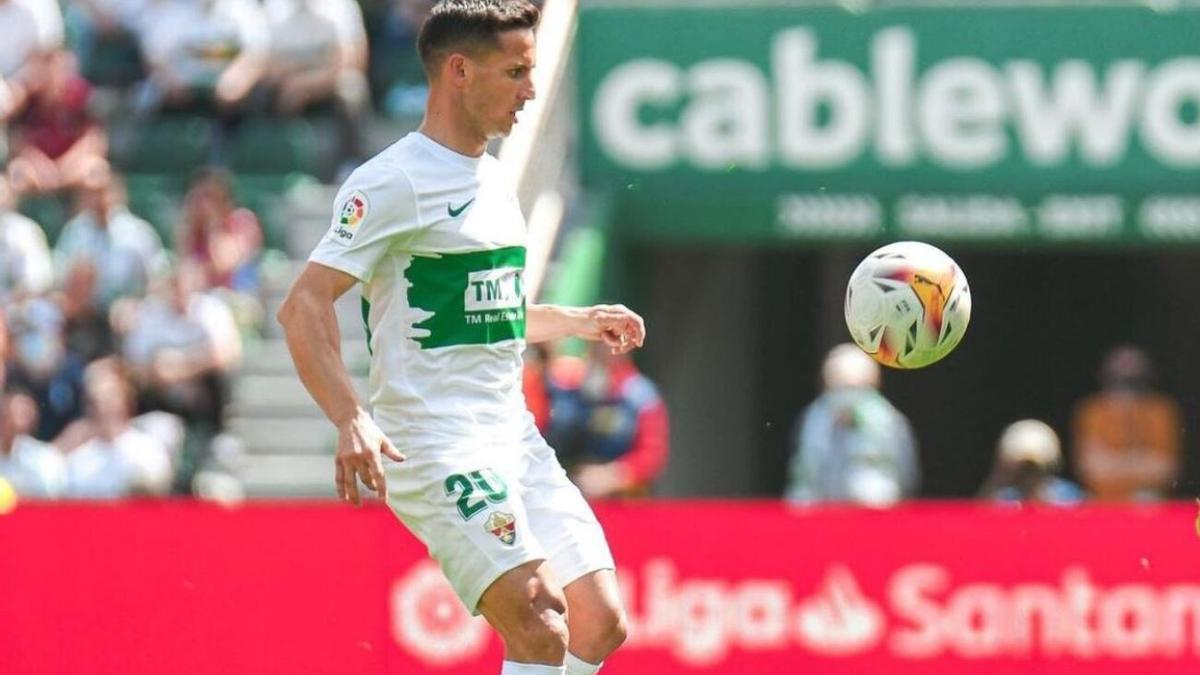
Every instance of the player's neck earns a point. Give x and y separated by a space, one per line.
447 128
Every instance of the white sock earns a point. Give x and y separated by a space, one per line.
576 666
514 668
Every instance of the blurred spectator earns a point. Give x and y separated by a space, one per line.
34 469
224 239
42 365
25 267
607 424
48 19
319 57
203 56
109 16
23 413
20 42
397 76
1127 436
104 35
204 50
125 250
29 29
851 444
3 349
1028 458
117 459
55 138
182 348
89 334
535 385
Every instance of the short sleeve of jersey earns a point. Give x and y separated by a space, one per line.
372 211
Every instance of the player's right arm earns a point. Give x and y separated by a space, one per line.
311 328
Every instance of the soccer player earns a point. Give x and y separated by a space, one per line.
432 229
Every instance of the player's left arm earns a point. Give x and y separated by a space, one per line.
616 325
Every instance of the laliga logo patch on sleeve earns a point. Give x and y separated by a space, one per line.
350 214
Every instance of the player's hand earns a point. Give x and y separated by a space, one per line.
617 326
360 451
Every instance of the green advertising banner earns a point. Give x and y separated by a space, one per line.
1075 123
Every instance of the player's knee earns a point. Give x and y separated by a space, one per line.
620 630
612 630
542 635
539 633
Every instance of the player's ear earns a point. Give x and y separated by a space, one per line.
456 68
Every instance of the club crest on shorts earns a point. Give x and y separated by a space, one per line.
503 525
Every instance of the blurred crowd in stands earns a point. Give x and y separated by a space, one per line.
603 417
129 266
853 446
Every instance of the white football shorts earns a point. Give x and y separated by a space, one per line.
482 509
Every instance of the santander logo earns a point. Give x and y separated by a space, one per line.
838 619
922 613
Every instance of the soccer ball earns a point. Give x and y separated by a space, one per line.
908 305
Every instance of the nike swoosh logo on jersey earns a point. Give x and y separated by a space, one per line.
454 213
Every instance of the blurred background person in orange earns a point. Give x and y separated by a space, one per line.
535 384
608 424
1127 437
1028 459
852 444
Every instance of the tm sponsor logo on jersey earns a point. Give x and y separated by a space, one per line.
350 215
494 295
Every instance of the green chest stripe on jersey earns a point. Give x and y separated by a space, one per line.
476 298
366 314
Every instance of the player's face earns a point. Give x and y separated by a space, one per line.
501 83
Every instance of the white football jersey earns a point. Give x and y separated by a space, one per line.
438 241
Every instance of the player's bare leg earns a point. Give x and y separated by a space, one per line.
527 607
596 620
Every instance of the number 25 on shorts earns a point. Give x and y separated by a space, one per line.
493 488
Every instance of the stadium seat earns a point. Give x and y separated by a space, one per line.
172 144
269 145
267 195
157 197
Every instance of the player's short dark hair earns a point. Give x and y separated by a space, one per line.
470 26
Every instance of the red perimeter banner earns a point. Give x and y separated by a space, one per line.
712 587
